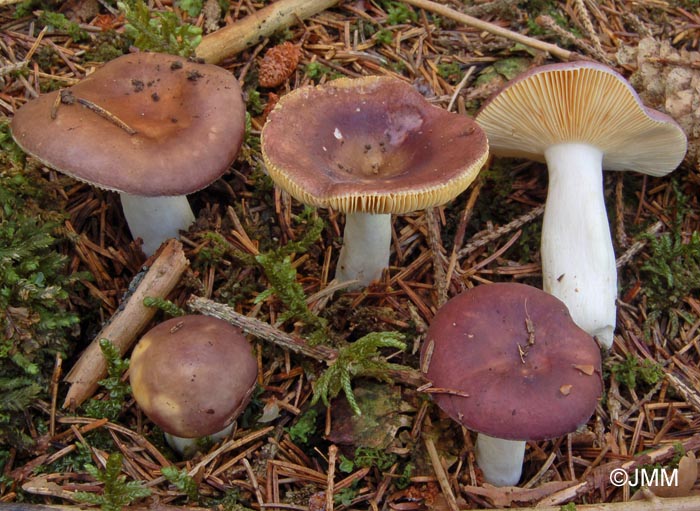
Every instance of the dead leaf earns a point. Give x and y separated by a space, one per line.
585 369
504 496
383 414
686 476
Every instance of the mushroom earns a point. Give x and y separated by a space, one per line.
506 360
369 147
193 376
151 126
581 118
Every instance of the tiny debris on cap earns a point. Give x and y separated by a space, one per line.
140 124
519 357
371 144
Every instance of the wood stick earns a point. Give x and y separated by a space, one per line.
261 330
252 29
127 322
650 504
269 333
448 12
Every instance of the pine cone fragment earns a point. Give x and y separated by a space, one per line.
278 64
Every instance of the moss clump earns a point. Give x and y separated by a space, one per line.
35 321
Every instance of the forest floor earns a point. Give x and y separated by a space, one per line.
402 453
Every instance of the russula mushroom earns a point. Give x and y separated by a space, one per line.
193 376
506 360
150 126
369 147
581 118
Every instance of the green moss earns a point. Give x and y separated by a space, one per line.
117 492
672 271
35 321
107 46
631 372
118 391
159 31
361 358
58 21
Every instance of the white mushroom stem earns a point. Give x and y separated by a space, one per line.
578 261
366 248
501 461
188 447
156 219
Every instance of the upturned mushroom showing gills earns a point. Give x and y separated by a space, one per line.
506 360
193 376
150 126
369 147
581 118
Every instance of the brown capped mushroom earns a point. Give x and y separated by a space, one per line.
581 117
150 126
506 360
369 147
193 376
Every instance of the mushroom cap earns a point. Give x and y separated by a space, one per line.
371 144
193 375
477 344
581 102
189 120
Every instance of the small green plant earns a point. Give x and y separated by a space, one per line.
117 491
159 31
35 323
281 275
182 481
345 496
192 7
366 457
254 103
316 70
384 36
58 21
118 390
398 13
672 271
166 306
568 507
449 70
631 371
305 427
361 358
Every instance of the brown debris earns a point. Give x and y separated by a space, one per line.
278 64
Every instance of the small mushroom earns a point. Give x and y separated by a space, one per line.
505 360
369 147
193 376
150 126
581 118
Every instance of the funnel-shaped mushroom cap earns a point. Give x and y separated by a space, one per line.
193 375
529 371
587 103
188 119
371 145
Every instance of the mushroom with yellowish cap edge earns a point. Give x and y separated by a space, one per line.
193 376
369 147
581 118
151 126
506 360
